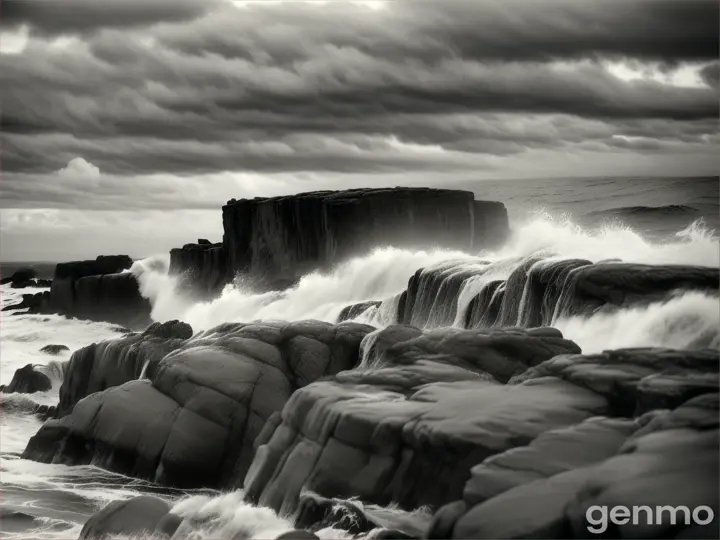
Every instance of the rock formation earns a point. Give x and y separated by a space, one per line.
535 293
34 303
475 424
99 290
54 349
274 241
104 365
21 278
195 420
27 381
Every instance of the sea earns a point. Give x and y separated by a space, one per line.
642 220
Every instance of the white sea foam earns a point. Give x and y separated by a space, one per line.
383 273
687 321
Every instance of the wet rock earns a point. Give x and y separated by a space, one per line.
484 308
28 381
274 241
168 525
640 379
297 535
671 464
113 362
355 310
16 522
194 421
392 534
20 275
99 290
551 453
315 513
54 349
432 293
444 520
23 284
138 516
613 285
34 303
202 267
410 430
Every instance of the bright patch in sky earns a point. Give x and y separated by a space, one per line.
14 42
687 76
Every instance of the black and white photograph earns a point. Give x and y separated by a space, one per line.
359 269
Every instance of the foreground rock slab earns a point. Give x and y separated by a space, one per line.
194 420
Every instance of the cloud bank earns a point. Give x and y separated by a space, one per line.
120 105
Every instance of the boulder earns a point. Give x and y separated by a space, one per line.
639 379
99 290
551 453
194 420
21 275
54 349
23 284
410 429
133 517
34 303
316 513
614 284
673 464
27 381
113 298
110 363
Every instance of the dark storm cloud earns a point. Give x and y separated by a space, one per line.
668 31
195 87
710 74
64 17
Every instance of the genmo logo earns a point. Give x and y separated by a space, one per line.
599 517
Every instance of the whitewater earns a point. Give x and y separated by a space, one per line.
52 500
383 274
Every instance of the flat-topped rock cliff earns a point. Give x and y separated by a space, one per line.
99 290
274 241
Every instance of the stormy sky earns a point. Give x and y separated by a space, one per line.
126 124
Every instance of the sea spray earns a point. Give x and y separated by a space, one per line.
690 320
384 273
381 274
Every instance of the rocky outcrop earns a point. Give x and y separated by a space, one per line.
139 516
409 430
537 291
110 363
34 303
672 460
274 241
355 310
21 275
433 423
37 283
194 420
27 381
504 433
203 267
23 278
54 349
99 290
621 284
637 380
